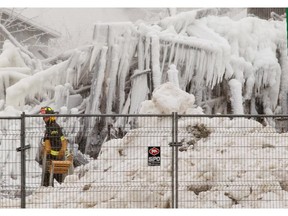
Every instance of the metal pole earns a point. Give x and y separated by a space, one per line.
176 158
172 165
174 145
23 171
287 27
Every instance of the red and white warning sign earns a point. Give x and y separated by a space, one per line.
154 150
154 156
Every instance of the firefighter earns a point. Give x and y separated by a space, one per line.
55 144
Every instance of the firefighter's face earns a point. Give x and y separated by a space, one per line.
43 111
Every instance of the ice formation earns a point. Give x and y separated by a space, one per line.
207 51
229 66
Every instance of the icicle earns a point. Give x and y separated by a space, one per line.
138 94
185 73
140 54
200 73
266 102
147 54
70 70
182 54
249 87
204 65
284 79
275 89
210 66
220 68
173 75
96 89
172 53
95 53
128 50
155 50
121 121
165 47
82 68
113 77
176 58
236 96
190 65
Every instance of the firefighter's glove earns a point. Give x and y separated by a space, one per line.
63 148
47 146
61 154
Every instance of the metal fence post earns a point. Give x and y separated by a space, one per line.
174 144
176 158
23 168
173 162
22 149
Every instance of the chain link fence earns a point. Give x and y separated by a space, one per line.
150 161
10 161
232 162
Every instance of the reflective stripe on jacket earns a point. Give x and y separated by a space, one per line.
54 153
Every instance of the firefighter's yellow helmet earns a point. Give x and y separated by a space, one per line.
48 110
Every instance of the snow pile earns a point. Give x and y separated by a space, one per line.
242 171
166 99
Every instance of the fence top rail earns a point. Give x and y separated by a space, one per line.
235 116
99 115
10 117
149 115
